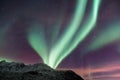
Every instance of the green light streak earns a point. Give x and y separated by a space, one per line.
56 28
8 60
67 36
87 27
108 35
37 40
71 37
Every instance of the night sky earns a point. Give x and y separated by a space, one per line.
97 57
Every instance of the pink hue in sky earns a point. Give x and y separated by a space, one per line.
105 72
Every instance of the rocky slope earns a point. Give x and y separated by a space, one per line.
40 71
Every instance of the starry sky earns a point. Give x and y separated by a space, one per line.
97 57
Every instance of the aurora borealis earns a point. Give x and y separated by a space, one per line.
78 34
65 44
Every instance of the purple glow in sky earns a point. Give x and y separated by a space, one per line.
96 58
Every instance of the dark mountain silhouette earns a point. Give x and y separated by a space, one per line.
40 71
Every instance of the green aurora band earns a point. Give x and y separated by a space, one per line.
81 33
6 59
106 36
38 42
71 37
